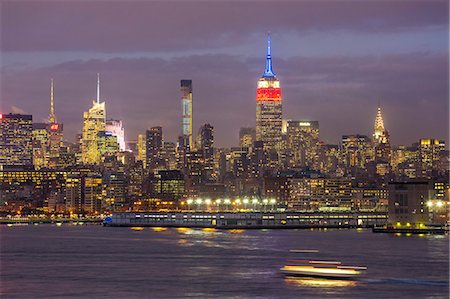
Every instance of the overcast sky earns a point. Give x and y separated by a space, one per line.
335 61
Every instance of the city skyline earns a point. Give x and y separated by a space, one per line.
313 84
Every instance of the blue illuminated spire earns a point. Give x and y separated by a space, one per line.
268 72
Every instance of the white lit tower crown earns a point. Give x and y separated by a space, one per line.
268 106
94 121
381 139
379 126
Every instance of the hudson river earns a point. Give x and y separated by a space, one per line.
91 261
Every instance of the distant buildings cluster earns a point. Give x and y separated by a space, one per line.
279 162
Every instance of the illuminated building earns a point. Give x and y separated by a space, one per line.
370 198
329 161
74 194
402 154
92 193
268 107
302 139
194 173
115 185
93 122
318 193
135 179
356 151
382 146
246 137
115 126
169 155
55 135
40 145
408 203
35 187
141 148
16 136
153 148
47 139
107 144
186 101
206 145
430 155
167 184
257 160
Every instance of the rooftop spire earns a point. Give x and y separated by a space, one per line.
52 117
379 124
268 72
98 88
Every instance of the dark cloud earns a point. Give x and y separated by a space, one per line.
341 92
117 26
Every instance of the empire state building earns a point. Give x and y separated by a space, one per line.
268 106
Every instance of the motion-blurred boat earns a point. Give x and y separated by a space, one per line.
324 269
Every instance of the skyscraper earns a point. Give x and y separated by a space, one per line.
429 155
268 106
302 138
186 101
47 139
16 140
55 134
381 145
115 126
94 122
205 138
153 148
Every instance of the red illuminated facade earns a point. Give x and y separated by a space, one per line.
268 94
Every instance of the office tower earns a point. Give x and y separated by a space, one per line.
302 143
186 101
246 137
140 145
74 193
430 151
356 151
115 126
268 106
16 135
115 184
153 148
381 143
93 122
93 193
206 146
167 184
107 144
206 141
169 155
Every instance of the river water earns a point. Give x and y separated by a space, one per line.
91 261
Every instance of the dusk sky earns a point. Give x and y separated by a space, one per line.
335 61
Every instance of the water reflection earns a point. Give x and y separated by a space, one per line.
319 282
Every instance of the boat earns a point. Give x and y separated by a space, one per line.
324 269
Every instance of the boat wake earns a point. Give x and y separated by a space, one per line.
406 281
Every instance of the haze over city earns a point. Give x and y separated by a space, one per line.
335 60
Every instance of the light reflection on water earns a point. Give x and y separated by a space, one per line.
319 282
